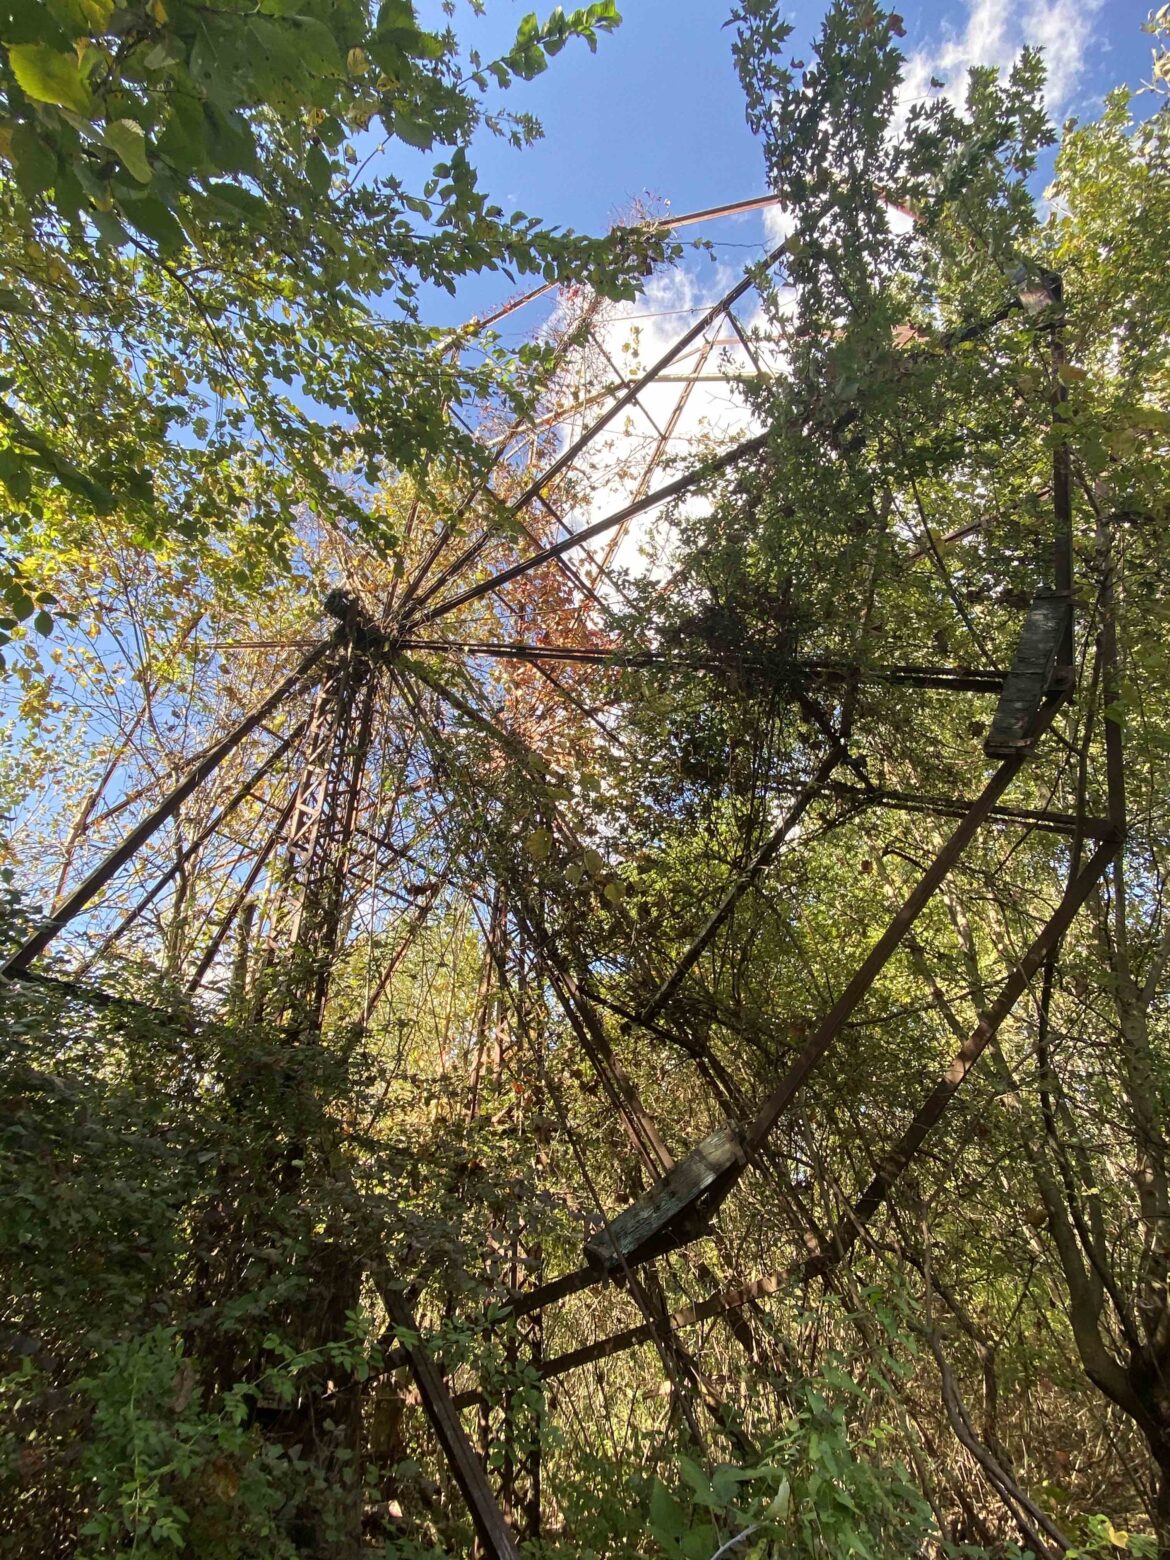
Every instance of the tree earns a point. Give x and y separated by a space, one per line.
535 932
212 266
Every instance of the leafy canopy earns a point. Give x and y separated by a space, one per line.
211 264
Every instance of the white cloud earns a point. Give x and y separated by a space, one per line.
994 32
779 224
989 32
690 409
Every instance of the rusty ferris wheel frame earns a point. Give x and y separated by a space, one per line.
313 833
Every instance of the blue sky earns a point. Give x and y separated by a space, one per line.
658 109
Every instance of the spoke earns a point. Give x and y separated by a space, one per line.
571 453
661 495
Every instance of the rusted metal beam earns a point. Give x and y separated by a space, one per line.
1046 819
570 453
447 531
442 1411
733 208
620 379
238 796
760 861
928 1113
944 679
571 573
246 887
414 926
664 437
587 533
86 891
1062 539
732 1298
521 1303
811 1054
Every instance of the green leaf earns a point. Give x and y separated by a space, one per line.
111 232
316 46
182 142
49 76
778 1510
300 46
698 1542
230 140
13 302
234 200
528 62
317 170
154 221
697 1480
414 134
425 46
280 69
15 475
33 161
128 139
668 1520
396 14
538 844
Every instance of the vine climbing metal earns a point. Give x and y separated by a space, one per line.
400 765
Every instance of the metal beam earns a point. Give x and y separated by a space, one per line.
942 678
86 891
570 453
879 955
759 862
442 1411
578 538
928 1113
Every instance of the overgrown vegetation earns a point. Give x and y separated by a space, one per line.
422 986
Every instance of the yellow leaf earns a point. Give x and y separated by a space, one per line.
538 844
159 11
98 13
356 62
49 77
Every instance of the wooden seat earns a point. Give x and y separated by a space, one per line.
674 1209
1032 677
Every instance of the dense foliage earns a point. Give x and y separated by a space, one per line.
410 1063
216 228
